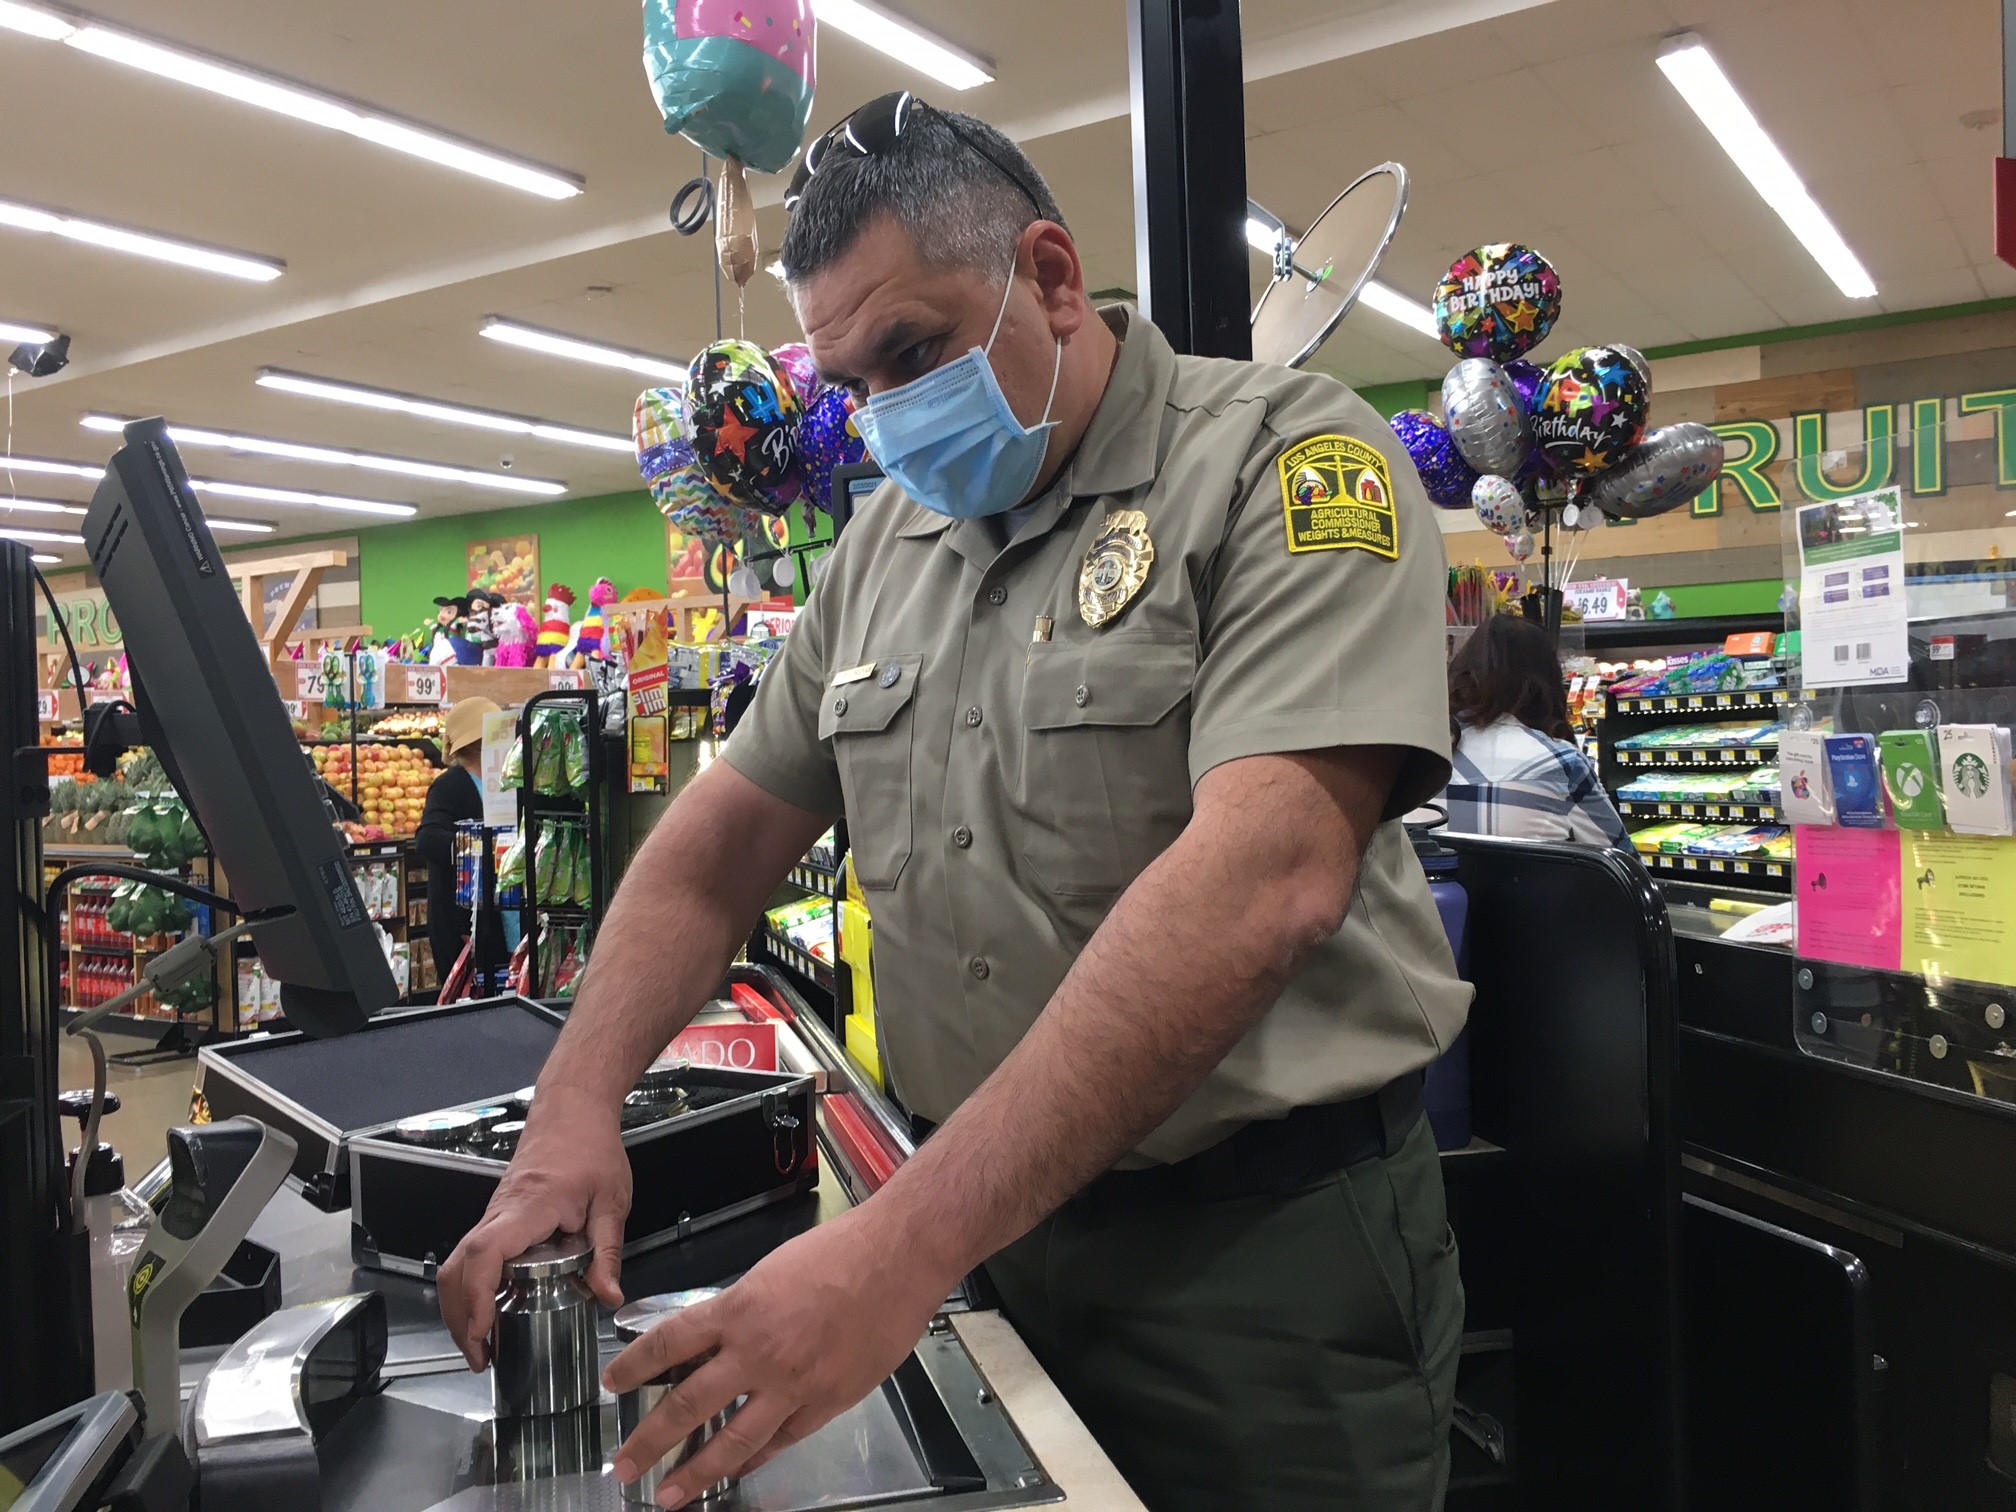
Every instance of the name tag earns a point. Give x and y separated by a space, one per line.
854 674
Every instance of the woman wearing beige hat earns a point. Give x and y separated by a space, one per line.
455 795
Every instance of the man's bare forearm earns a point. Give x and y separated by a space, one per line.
1172 980
690 898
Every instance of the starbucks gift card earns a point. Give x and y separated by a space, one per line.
1911 778
1974 778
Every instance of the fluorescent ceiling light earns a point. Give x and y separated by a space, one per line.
183 435
775 267
428 409
250 527
35 21
554 344
45 465
40 537
1394 305
1693 71
33 335
139 243
1261 235
336 502
43 559
267 92
905 41
40 506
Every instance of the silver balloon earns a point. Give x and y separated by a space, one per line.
1520 545
1662 472
1585 516
1498 504
1485 418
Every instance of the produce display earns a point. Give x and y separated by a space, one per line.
392 783
405 724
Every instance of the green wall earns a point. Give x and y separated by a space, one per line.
1391 398
401 567
1698 600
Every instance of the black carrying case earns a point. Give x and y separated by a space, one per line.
323 1091
410 1206
332 1095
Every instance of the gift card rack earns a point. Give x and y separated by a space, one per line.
1900 568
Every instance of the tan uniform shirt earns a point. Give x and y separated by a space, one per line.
1002 789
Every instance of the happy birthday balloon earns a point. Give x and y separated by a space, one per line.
1498 504
1444 474
1637 360
734 77
1672 465
794 361
1498 301
1589 411
741 417
1520 545
826 440
1485 419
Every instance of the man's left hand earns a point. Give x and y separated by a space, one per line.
804 1335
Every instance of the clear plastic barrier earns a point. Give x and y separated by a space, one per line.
1895 764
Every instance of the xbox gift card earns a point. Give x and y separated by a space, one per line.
1910 778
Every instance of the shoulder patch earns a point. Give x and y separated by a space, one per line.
1337 495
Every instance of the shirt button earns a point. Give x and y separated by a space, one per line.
840 704
891 674
997 595
973 716
978 966
1083 696
962 837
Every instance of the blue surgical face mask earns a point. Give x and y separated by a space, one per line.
952 441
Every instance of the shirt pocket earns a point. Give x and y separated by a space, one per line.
869 723
1105 757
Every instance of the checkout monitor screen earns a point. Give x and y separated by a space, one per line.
21 1463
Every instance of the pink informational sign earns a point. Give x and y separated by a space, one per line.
1850 900
738 1047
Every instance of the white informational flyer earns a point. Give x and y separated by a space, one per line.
1852 621
500 803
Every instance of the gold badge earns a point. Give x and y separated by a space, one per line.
1337 495
1115 567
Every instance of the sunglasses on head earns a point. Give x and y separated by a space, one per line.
872 130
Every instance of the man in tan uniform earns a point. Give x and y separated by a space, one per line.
1123 701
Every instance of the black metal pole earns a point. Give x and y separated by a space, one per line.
45 1300
1189 113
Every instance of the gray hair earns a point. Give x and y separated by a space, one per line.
960 208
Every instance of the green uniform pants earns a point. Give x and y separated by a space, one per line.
1280 1353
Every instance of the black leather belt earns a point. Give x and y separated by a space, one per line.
1274 1155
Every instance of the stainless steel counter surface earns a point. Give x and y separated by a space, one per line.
428 1442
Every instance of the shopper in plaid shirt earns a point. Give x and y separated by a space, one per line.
1515 770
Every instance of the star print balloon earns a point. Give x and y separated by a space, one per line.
1498 504
1671 466
826 440
734 77
1498 301
794 361
1444 473
740 415
1485 417
1590 411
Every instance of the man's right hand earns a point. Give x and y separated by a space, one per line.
570 1175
